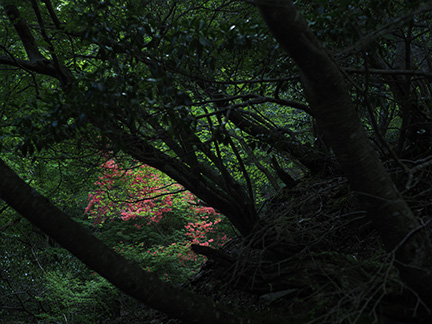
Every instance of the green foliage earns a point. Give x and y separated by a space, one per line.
72 299
147 217
170 74
46 282
35 272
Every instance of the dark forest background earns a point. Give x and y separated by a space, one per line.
285 144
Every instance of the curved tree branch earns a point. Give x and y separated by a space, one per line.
328 96
124 274
24 33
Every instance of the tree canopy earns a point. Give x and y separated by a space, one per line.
236 101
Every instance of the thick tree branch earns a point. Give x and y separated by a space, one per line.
52 13
37 62
24 33
42 67
256 101
305 154
233 203
125 274
328 97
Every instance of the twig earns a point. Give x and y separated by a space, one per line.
428 162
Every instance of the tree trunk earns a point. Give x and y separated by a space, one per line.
125 274
329 99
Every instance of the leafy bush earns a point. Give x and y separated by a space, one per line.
73 300
146 216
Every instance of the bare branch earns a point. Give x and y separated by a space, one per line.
388 28
257 100
392 72
42 67
52 13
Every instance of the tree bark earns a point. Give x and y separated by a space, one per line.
329 99
125 274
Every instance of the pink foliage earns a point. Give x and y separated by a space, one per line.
145 195
129 194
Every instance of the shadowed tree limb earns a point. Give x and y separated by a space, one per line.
125 274
330 101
